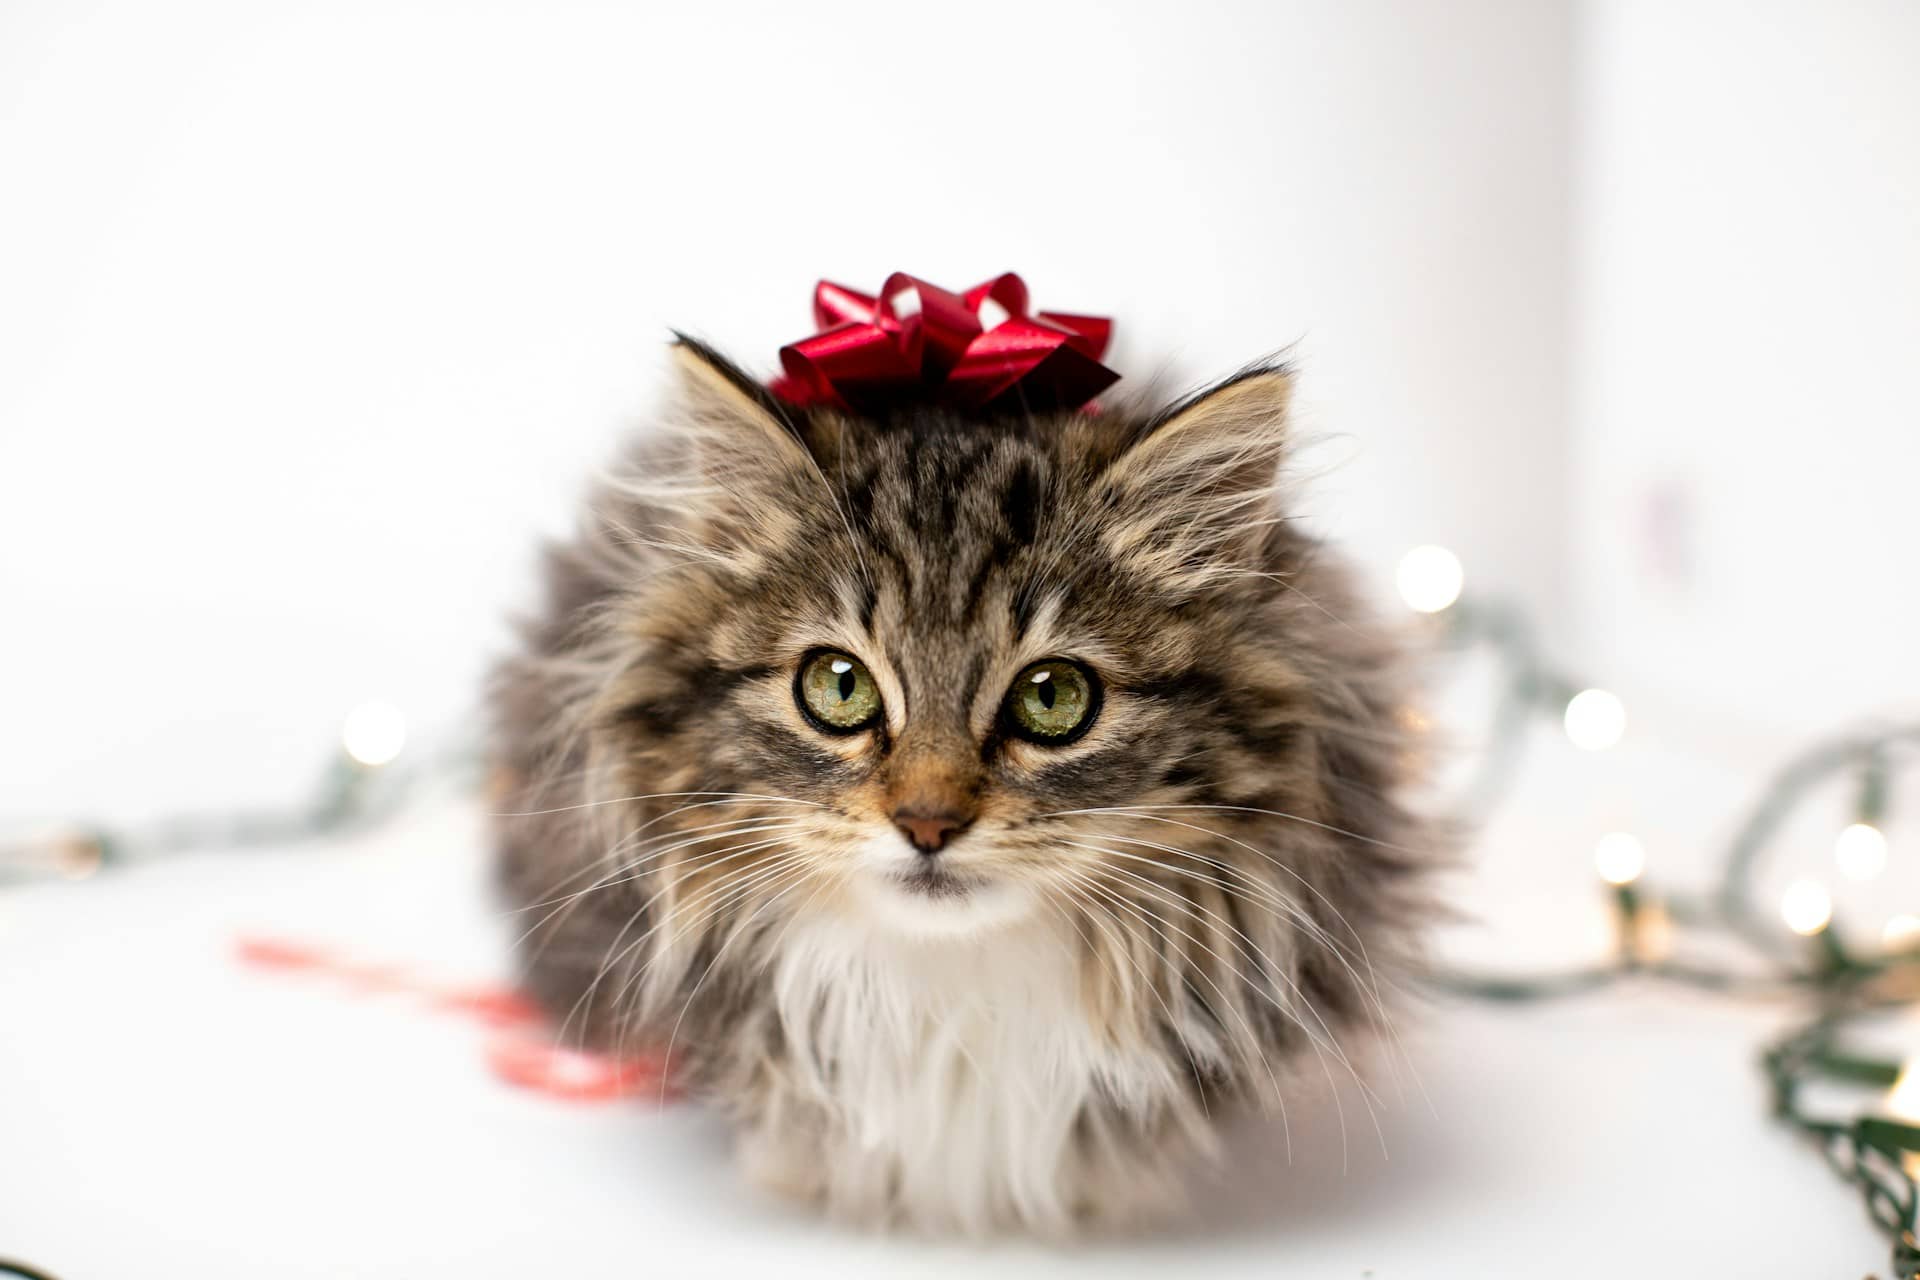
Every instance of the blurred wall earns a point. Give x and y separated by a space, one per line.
1747 433
314 315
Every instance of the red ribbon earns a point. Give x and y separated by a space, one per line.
915 341
522 1050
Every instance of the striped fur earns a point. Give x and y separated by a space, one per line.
1143 932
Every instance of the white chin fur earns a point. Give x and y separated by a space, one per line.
899 908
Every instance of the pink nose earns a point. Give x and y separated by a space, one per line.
928 831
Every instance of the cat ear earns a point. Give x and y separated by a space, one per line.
1195 486
733 468
1231 433
730 419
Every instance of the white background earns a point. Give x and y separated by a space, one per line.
1748 303
314 317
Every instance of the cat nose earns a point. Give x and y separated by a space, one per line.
928 832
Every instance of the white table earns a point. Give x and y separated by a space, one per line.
165 1112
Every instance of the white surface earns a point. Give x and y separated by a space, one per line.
167 1113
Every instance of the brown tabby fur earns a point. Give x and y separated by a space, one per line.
1221 856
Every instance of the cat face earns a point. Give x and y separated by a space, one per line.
954 660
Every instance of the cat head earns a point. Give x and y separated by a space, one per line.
940 673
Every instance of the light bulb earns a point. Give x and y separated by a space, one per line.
1861 851
1903 1100
1652 932
1903 1103
1595 719
374 733
73 852
1619 858
1901 933
1430 579
1806 907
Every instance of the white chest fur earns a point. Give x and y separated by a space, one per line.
952 1072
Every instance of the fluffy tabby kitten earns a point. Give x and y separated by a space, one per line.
983 812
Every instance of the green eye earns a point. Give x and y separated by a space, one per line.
836 692
1052 701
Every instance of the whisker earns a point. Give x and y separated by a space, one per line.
1251 949
1292 910
1229 1005
1331 1042
684 921
628 871
1241 808
739 826
673 1037
633 836
1140 812
716 899
1370 984
1158 925
655 795
1153 987
615 955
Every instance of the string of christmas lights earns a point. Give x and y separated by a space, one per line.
1798 955
1795 954
364 782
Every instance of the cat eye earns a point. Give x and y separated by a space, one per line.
1052 702
836 692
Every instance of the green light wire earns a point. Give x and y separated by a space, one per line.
1877 1155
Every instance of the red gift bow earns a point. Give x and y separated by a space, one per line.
869 353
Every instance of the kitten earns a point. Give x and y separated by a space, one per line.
983 812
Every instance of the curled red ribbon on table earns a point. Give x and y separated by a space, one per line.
917 342
522 1050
